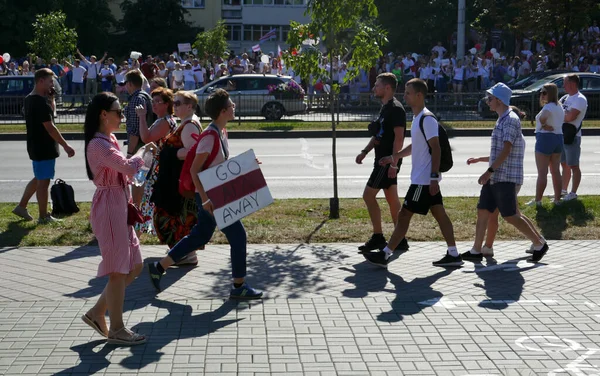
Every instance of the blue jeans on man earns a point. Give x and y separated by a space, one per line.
77 89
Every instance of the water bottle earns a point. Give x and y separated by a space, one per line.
140 177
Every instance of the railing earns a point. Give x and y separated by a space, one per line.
311 108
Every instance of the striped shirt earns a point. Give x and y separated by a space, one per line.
508 129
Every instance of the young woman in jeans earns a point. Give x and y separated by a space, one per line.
221 110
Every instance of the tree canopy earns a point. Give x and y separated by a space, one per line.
51 37
213 41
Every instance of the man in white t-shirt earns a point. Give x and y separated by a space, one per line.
78 76
575 106
107 75
424 192
439 50
199 73
93 69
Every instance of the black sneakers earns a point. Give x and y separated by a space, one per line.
468 256
377 258
155 276
377 241
537 255
403 246
448 260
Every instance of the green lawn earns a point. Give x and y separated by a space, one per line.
307 221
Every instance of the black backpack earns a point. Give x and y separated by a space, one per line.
63 199
446 151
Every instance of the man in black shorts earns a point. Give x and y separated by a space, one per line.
424 192
387 137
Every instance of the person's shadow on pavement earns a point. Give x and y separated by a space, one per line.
91 361
503 283
408 294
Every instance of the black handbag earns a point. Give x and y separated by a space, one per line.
569 132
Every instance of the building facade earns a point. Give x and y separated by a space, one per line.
247 20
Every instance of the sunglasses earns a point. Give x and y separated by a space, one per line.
119 112
157 102
543 92
179 103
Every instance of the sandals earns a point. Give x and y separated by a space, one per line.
132 338
93 324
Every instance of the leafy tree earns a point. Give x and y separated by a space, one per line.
51 38
341 28
153 26
213 41
93 36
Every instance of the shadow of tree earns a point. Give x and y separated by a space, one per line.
13 235
503 283
555 221
408 297
89 250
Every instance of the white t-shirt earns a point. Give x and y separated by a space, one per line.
420 157
206 144
199 72
440 50
458 74
177 75
188 75
78 73
556 118
120 76
578 102
424 73
106 72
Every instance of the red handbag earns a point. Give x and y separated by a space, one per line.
134 215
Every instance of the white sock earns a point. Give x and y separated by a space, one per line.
388 252
474 251
538 247
452 251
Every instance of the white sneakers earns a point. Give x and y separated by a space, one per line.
570 196
533 203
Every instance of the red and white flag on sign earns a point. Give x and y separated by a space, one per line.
256 48
236 188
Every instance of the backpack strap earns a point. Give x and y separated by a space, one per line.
214 150
425 114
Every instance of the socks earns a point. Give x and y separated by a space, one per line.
473 251
388 252
539 247
452 251
237 285
159 267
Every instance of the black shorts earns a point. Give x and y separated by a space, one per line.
419 201
500 195
379 178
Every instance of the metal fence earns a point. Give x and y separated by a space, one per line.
311 108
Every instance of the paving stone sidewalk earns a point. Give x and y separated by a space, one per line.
326 312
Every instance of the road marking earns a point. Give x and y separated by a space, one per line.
448 304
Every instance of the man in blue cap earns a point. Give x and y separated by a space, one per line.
504 175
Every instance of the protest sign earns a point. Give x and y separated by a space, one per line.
236 187
184 47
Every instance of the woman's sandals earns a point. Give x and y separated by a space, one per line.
129 339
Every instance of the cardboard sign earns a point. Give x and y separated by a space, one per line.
236 187
184 47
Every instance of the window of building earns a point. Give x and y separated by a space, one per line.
234 32
192 3
255 32
232 2
274 2
231 13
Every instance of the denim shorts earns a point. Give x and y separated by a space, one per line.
572 153
548 143
44 170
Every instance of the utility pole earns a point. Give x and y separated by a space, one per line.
460 34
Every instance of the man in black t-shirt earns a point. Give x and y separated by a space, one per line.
42 145
387 138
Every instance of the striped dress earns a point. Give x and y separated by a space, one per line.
119 245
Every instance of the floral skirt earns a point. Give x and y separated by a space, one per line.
147 206
170 229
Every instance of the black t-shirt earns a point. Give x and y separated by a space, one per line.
392 115
40 145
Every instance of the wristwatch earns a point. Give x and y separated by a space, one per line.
490 170
434 175
364 151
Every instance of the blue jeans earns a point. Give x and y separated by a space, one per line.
78 89
203 231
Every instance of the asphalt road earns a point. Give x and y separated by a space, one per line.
297 168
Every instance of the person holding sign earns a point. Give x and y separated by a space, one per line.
221 110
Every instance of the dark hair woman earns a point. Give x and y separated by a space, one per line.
119 245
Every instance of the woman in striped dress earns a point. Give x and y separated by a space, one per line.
158 132
119 245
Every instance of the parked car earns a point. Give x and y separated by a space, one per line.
13 90
250 93
533 77
528 99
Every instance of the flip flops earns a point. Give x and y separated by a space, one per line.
93 324
132 340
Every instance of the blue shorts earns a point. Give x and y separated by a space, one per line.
502 196
572 153
44 170
548 143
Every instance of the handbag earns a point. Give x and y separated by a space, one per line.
134 215
569 132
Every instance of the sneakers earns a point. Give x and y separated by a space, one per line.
570 196
377 258
487 251
155 276
474 257
403 246
245 292
448 260
48 219
189 259
22 212
537 255
377 241
533 203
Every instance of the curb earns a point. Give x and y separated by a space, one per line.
234 135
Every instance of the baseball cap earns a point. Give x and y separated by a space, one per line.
502 92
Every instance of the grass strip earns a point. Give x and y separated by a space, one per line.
307 221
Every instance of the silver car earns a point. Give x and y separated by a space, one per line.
250 93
